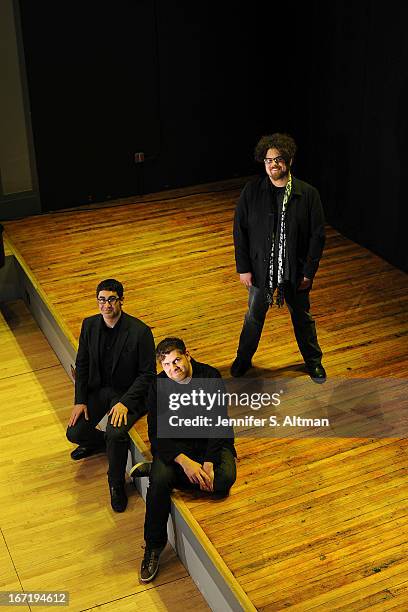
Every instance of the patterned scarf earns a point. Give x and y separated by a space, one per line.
280 272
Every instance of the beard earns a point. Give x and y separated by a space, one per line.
277 174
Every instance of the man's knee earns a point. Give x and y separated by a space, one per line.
299 306
72 434
257 307
255 317
116 434
79 432
224 480
302 320
222 488
161 475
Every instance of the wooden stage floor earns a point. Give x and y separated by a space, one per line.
311 523
56 525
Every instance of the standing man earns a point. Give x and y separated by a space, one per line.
279 238
115 366
207 464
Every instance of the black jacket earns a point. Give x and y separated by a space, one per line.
134 362
168 448
253 229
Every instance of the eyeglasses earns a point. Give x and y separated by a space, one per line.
112 299
276 160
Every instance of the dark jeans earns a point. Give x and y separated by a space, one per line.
303 324
84 433
164 478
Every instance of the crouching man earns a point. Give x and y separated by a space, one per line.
115 366
199 463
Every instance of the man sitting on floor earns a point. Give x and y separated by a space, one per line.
201 463
115 366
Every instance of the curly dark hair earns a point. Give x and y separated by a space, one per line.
283 142
168 345
110 284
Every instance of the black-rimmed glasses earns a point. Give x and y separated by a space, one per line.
277 160
112 299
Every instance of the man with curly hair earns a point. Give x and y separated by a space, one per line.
279 238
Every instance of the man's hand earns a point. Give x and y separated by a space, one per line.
305 284
118 414
208 468
246 279
194 472
77 410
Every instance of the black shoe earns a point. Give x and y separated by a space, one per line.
83 451
239 367
150 564
317 373
118 498
140 469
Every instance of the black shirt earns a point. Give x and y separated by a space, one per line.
107 341
277 195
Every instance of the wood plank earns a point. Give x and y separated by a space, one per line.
376 597
8 576
7 251
22 348
178 595
350 589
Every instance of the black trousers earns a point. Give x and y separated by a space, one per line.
116 438
303 324
164 478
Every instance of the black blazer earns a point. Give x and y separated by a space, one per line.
305 233
134 362
168 448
